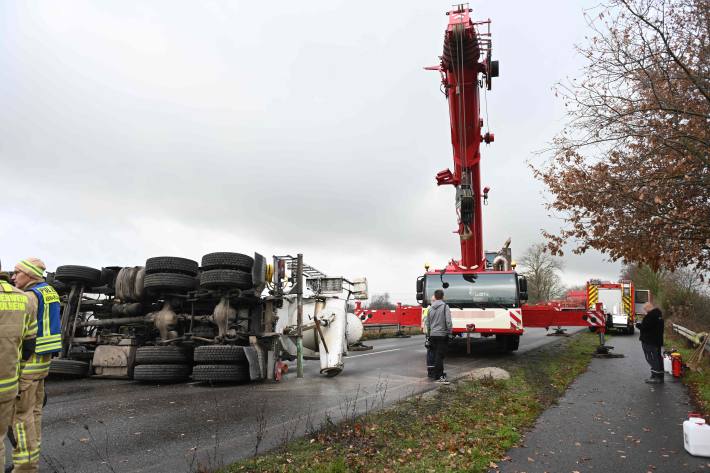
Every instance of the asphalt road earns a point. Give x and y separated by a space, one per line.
98 425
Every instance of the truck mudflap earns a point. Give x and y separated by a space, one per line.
256 357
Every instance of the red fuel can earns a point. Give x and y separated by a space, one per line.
677 364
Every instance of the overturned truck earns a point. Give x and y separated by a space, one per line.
234 318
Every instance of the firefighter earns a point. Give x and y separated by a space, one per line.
18 329
27 421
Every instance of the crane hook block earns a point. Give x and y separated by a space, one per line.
489 138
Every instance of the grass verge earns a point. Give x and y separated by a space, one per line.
698 382
467 426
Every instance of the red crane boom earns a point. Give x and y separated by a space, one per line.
464 46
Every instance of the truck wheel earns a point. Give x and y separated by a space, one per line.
170 281
204 331
220 373
226 260
161 373
508 343
171 264
631 330
222 354
226 278
515 342
162 355
64 367
58 286
81 274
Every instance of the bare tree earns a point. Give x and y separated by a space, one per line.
630 172
684 293
542 272
381 301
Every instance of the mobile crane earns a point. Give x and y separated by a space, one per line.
484 292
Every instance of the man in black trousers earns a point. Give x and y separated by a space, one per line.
439 326
651 328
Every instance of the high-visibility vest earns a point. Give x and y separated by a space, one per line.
17 324
425 314
49 326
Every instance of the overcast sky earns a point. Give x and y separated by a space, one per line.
138 129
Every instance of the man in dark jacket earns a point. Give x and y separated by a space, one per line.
651 328
438 328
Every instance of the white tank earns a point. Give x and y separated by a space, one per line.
354 329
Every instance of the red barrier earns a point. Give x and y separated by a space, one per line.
404 315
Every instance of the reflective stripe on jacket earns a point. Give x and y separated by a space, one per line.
17 323
49 336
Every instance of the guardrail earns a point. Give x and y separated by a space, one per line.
690 335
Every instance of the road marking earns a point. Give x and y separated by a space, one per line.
375 353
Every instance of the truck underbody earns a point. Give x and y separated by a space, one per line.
235 318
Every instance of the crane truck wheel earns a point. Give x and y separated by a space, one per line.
78 274
227 260
508 343
161 373
162 355
171 264
220 373
226 278
64 367
220 354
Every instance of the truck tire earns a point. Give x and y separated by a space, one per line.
171 264
161 373
514 342
162 355
226 278
58 286
220 354
81 274
631 330
508 343
204 331
226 260
108 276
64 367
170 281
220 373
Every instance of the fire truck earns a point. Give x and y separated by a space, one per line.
621 302
486 295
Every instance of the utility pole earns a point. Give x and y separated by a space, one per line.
299 315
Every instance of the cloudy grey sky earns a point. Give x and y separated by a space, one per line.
137 129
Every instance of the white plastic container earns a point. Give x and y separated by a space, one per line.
667 364
696 436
